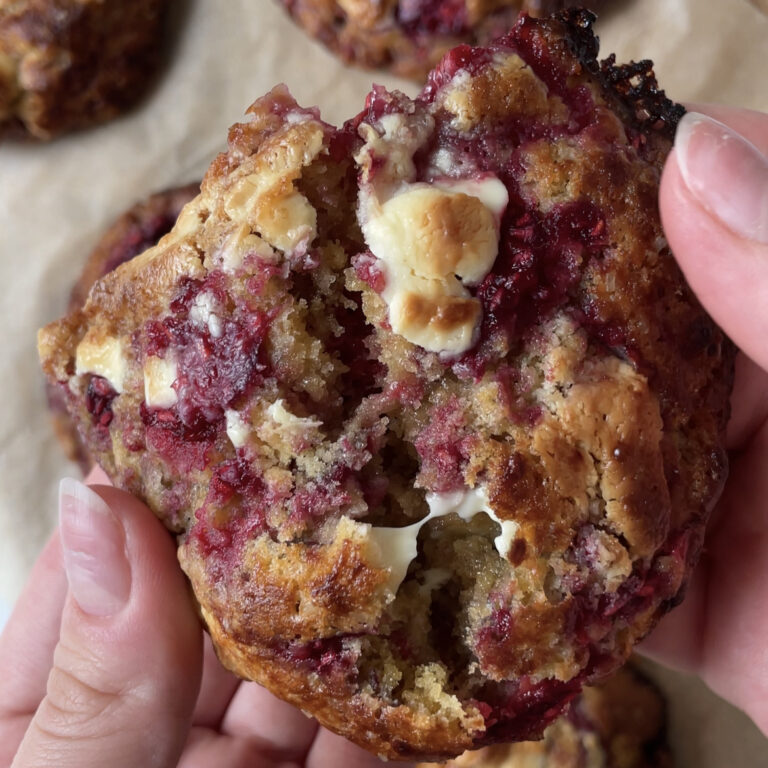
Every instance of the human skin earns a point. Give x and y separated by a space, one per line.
103 660
717 226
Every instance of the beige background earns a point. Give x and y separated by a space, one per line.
56 199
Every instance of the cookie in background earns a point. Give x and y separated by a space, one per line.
408 37
68 64
620 723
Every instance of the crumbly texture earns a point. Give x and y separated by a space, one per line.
67 64
620 723
136 230
424 492
408 37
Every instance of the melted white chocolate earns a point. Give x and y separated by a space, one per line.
398 546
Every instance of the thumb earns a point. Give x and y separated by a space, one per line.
714 207
126 670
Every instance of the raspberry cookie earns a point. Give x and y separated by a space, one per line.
408 36
426 399
66 64
620 723
136 230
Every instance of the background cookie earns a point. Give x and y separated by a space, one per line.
437 464
66 64
620 723
408 36
134 232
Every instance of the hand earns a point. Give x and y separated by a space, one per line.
714 207
103 661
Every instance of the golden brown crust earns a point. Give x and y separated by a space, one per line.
334 699
436 542
67 64
373 33
136 230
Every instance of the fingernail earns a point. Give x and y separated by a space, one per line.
725 173
93 545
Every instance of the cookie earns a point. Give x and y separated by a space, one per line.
428 403
408 37
67 64
620 723
137 229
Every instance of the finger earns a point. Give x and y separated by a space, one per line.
216 690
714 207
280 729
97 476
735 653
749 403
677 640
26 646
126 670
749 123
206 748
331 751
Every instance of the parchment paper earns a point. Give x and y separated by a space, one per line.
55 200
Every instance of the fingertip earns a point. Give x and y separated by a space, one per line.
161 617
136 644
728 274
97 476
331 750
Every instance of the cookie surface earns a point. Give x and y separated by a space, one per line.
138 229
67 64
409 37
620 723
426 399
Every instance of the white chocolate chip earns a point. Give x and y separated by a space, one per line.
202 314
435 233
432 239
438 315
267 200
397 547
159 377
286 433
426 236
242 242
103 358
289 421
283 217
237 428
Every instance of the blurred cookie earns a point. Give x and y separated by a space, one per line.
134 232
408 37
67 64
620 723
426 399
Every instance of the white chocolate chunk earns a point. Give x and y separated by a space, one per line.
289 421
488 189
466 504
440 316
159 376
240 244
427 236
435 233
237 428
103 358
396 550
202 313
283 217
397 547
